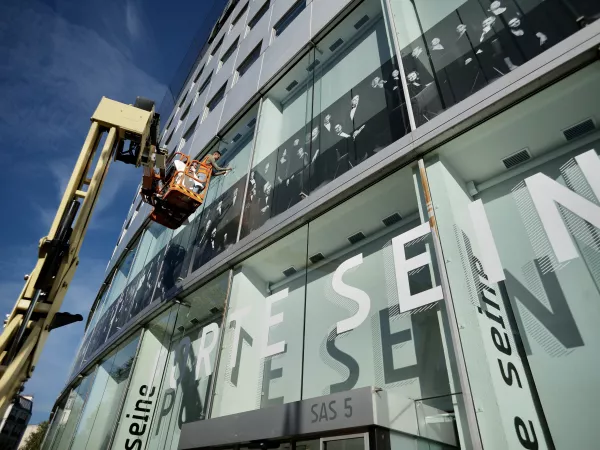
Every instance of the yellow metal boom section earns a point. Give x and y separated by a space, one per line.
27 327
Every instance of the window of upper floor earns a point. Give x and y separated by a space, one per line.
289 17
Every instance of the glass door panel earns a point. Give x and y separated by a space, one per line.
348 442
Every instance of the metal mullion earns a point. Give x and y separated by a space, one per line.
407 99
163 378
472 423
121 406
250 165
213 381
87 396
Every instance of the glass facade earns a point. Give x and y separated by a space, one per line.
188 375
462 287
99 416
342 103
65 421
522 248
453 48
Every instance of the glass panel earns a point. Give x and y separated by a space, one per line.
436 418
404 442
142 394
357 443
519 233
120 278
99 415
282 149
219 221
261 356
374 302
54 426
70 417
138 291
453 48
342 103
142 288
358 107
187 379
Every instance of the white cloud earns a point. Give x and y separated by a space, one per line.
132 15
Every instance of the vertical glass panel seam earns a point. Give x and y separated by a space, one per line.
473 424
119 409
213 381
389 15
250 162
76 427
172 319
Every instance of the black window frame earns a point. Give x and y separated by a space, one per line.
204 85
199 74
239 15
190 130
249 60
216 99
217 46
259 14
168 140
230 51
180 105
291 14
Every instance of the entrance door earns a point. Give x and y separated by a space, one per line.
346 442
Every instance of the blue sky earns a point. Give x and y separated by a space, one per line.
57 59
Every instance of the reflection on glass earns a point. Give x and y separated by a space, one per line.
189 369
261 357
142 394
70 416
283 122
54 426
216 226
339 105
94 430
453 48
146 268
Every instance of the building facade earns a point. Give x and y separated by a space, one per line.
14 423
406 254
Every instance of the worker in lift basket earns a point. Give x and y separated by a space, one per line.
207 167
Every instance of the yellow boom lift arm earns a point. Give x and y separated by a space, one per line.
131 136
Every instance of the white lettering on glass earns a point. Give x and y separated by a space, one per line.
205 350
485 240
236 316
279 347
546 194
180 354
403 266
589 163
360 297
